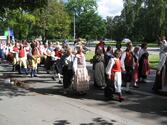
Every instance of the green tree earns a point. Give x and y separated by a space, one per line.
52 21
81 6
88 23
91 26
24 4
19 21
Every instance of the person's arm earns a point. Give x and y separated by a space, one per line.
162 62
84 60
123 60
110 66
75 64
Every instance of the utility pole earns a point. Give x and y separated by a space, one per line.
74 27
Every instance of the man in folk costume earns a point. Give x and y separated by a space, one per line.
35 59
127 61
113 71
163 44
15 55
57 53
22 59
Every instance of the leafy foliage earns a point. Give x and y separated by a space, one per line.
141 20
89 24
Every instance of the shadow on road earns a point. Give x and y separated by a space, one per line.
11 91
61 122
99 121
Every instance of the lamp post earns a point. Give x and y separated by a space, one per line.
74 27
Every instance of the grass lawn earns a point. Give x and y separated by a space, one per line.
153 59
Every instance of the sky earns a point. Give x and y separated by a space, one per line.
109 7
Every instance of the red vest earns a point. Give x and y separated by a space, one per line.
58 54
21 53
116 68
15 49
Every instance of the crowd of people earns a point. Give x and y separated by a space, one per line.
115 69
112 69
26 56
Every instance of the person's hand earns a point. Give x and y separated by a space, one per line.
158 72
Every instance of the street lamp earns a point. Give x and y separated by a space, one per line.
74 27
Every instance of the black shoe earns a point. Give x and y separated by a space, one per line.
128 92
135 86
60 82
35 76
53 78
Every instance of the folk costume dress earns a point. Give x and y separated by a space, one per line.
81 77
136 65
127 62
99 71
144 67
113 70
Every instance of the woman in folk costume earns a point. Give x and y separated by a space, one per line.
68 69
113 71
127 61
143 63
22 59
99 70
136 65
81 77
101 44
161 75
35 59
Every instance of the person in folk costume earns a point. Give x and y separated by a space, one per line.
161 74
35 59
8 52
107 56
81 77
27 47
143 49
127 62
144 68
101 44
15 52
57 56
113 71
136 65
2 54
49 62
163 44
68 72
42 51
22 59
99 70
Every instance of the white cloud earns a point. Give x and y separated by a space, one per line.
109 7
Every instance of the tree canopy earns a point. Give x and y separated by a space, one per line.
24 4
141 20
